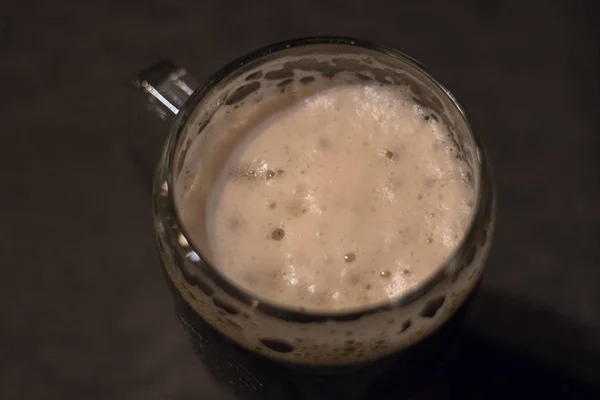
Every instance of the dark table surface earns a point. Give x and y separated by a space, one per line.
84 311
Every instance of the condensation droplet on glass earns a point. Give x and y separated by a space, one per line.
182 240
192 255
164 189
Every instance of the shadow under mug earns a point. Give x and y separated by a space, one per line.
263 350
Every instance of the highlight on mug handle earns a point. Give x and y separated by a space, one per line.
167 87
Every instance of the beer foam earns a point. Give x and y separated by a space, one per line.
344 197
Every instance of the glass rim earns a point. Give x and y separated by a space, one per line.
167 169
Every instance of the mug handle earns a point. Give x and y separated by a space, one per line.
167 87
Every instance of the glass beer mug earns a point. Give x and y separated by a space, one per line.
262 350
